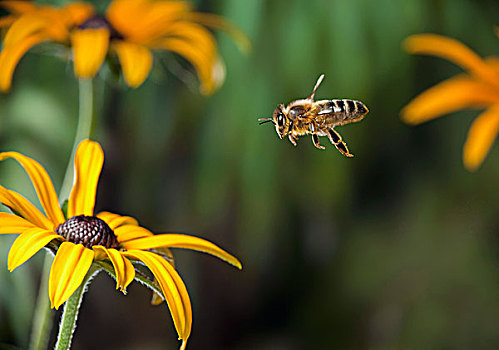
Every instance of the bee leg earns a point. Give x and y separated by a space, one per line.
292 139
336 140
315 140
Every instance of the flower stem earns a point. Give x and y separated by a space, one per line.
42 318
70 313
85 118
43 315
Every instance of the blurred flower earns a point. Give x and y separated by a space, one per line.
30 24
129 30
84 238
477 89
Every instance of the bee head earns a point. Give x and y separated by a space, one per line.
280 121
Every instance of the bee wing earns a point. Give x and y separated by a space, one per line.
319 81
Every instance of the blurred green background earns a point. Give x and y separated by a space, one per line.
396 248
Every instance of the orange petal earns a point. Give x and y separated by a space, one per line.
136 62
75 13
7 21
89 50
195 34
181 241
10 57
208 66
24 208
143 21
220 23
129 232
27 245
124 270
46 21
18 7
42 183
88 164
123 13
452 50
481 136
23 27
69 268
448 96
173 289
13 224
197 45
115 220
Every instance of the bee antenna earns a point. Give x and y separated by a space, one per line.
265 120
319 81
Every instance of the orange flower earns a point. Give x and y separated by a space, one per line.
129 30
477 89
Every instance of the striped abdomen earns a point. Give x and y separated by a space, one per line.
340 112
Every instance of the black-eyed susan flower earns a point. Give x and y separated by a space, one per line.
479 88
83 238
129 31
30 24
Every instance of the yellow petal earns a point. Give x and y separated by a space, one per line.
115 220
123 268
173 289
42 183
13 224
107 216
165 253
28 244
136 62
10 57
168 256
69 268
88 164
182 241
448 96
24 208
452 50
142 21
89 50
481 136
130 232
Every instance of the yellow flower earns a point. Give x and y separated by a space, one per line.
83 238
129 30
477 89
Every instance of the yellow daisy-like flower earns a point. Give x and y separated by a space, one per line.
83 238
477 89
129 30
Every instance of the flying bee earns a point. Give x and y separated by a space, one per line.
317 118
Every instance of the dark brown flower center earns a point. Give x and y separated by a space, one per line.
88 231
98 22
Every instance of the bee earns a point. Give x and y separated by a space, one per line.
317 118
